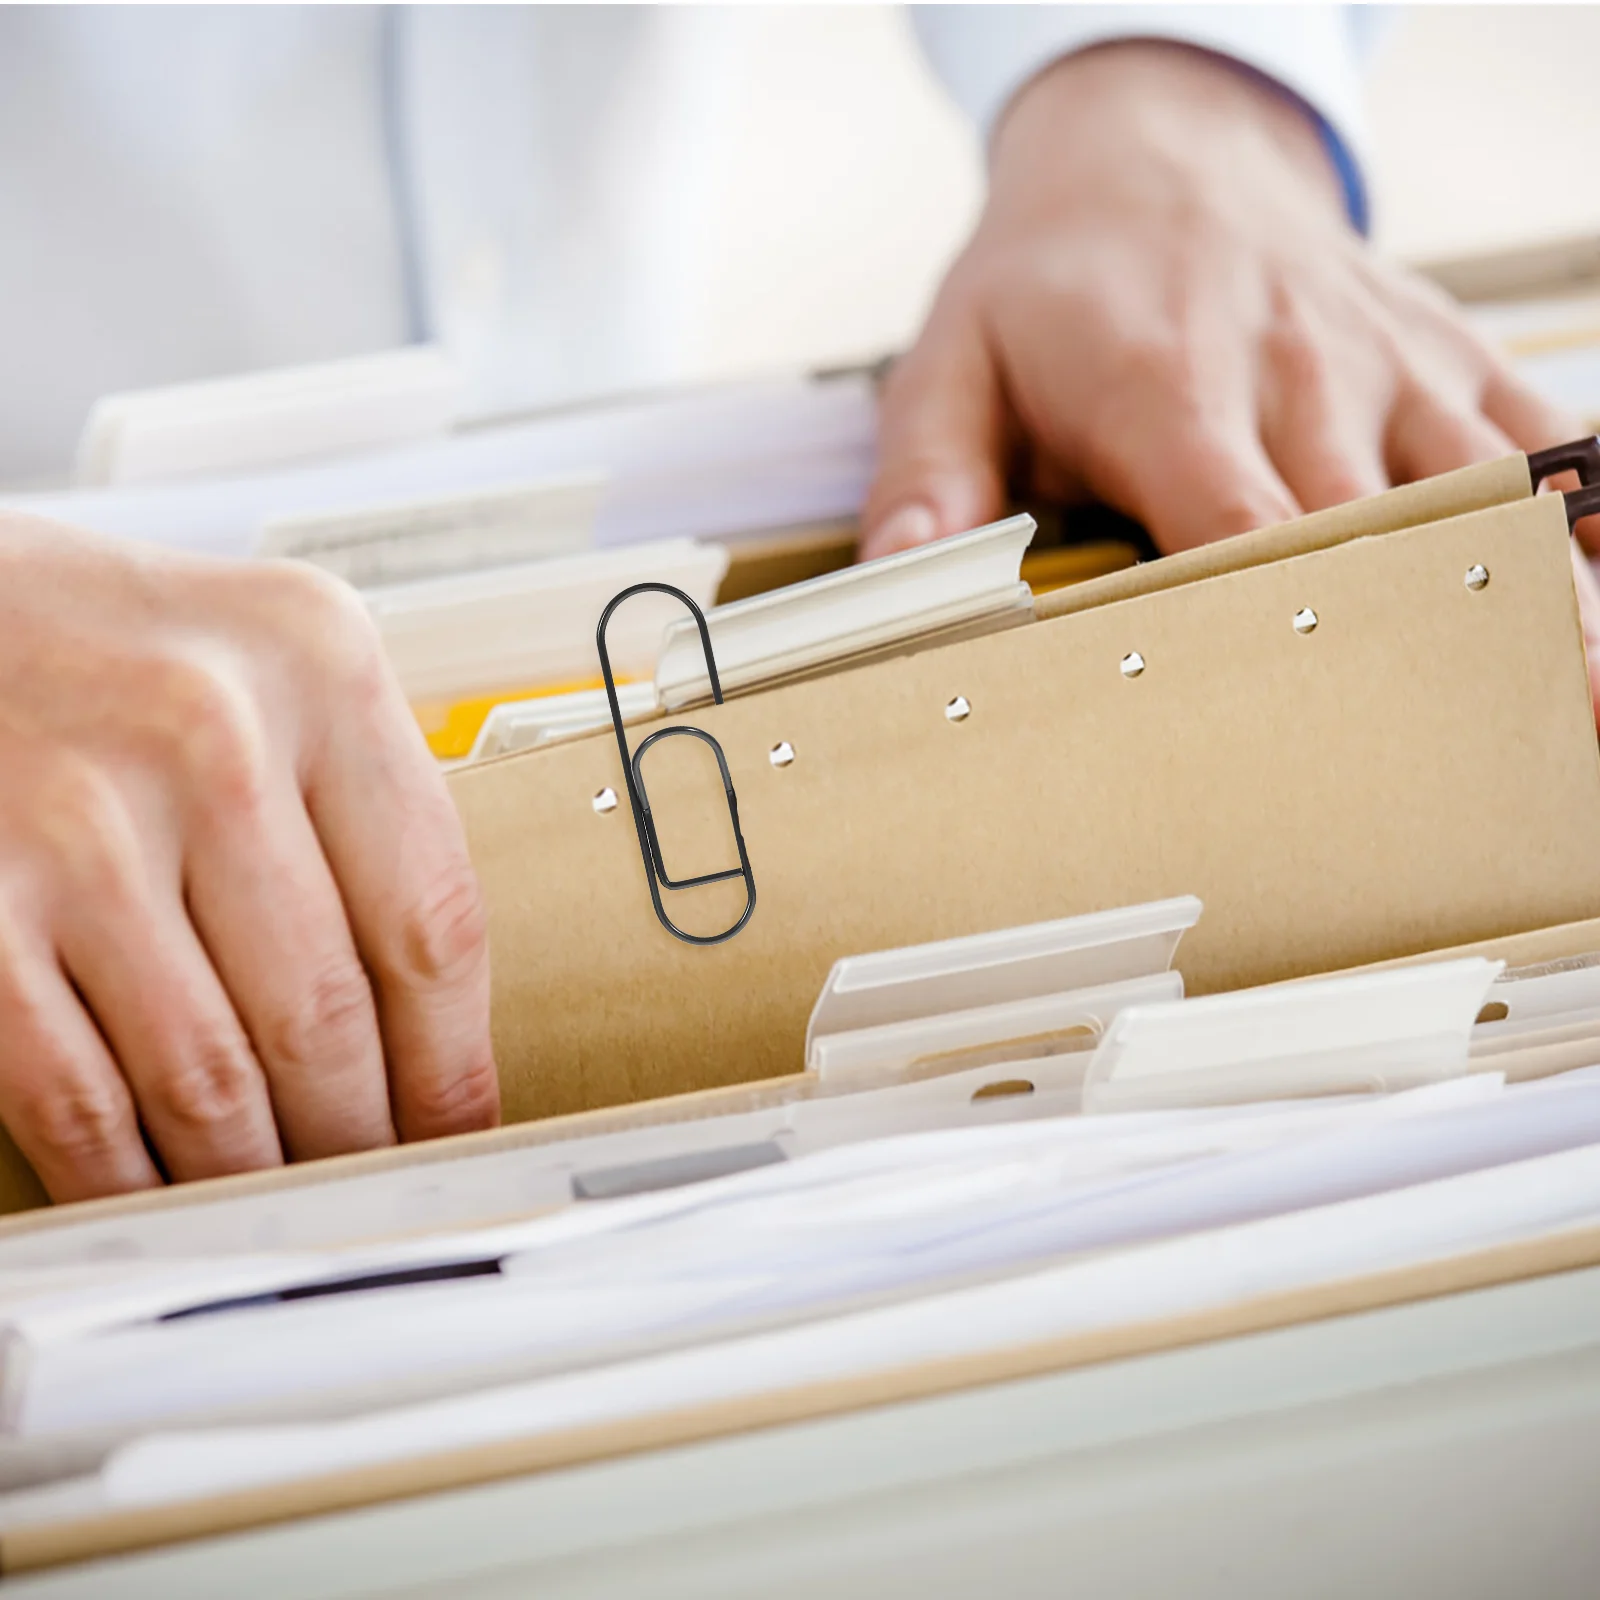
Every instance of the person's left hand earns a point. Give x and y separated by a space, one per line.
1164 308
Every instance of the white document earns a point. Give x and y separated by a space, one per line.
715 462
268 419
795 1241
479 632
442 533
1208 1269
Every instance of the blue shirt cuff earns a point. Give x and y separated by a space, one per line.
1356 204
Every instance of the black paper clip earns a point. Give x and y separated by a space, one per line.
655 871
1581 456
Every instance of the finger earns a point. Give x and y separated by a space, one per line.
941 439
1533 423
1587 587
1323 441
126 943
1171 439
1190 480
200 1092
1528 420
1427 436
61 1097
265 905
394 842
395 846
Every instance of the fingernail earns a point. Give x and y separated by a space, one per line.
901 530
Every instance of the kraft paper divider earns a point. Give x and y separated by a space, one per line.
27 1549
1518 949
1453 494
1500 482
789 555
1419 771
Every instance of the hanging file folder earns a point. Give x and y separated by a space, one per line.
1329 732
1414 769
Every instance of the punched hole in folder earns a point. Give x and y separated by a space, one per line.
1005 1089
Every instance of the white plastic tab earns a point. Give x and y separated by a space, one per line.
967 580
1527 999
1016 1091
1364 1032
1016 1030
987 980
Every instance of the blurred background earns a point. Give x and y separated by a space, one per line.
831 230
625 200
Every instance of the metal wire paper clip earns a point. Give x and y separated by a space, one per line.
639 801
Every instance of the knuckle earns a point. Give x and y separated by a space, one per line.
208 1089
444 934
326 618
461 1101
1297 354
81 1123
208 728
86 826
330 1018
1160 366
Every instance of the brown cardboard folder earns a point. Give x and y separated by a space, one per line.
1417 769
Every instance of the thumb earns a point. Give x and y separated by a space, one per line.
941 440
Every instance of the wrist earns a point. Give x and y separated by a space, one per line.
1205 117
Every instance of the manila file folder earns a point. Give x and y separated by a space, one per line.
1320 729
1363 735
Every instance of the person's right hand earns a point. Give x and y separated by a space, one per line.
237 919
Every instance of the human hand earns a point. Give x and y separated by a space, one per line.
1165 309
236 909
1587 588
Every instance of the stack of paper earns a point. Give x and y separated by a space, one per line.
266 419
718 462
928 1190
184 1379
445 528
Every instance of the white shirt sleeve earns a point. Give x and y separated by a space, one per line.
985 54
